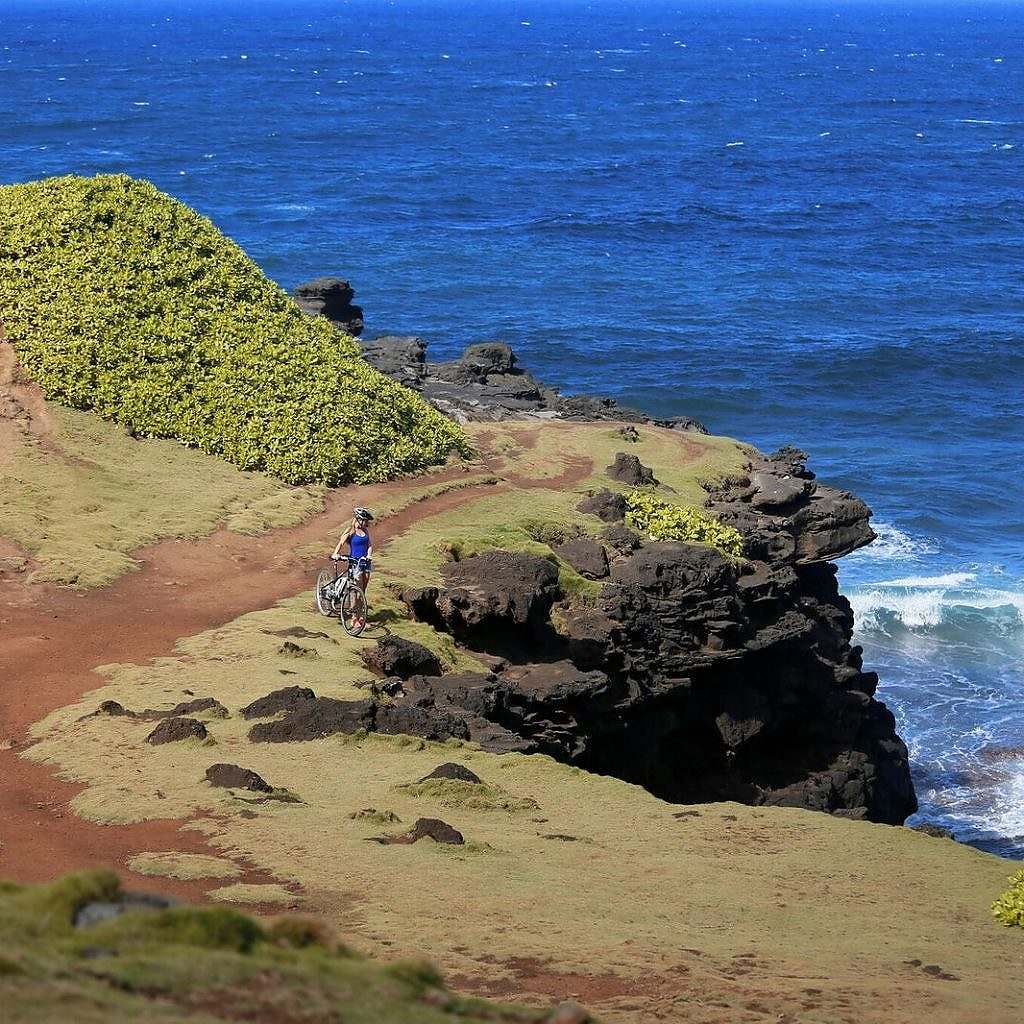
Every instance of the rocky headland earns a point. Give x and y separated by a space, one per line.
699 676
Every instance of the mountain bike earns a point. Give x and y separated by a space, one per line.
338 593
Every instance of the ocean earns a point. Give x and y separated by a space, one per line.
798 222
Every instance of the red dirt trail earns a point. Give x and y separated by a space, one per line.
51 640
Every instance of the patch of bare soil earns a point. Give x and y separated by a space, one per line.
23 409
52 638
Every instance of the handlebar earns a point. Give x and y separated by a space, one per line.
361 562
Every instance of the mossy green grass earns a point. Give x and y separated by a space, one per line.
201 965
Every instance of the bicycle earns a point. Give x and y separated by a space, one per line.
339 594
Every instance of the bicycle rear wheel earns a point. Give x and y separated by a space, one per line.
326 604
353 610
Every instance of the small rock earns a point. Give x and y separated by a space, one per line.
439 831
935 831
450 770
98 911
628 469
299 632
425 828
290 650
286 699
172 730
231 776
609 506
111 708
396 656
195 707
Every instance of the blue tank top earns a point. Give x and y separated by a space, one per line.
358 545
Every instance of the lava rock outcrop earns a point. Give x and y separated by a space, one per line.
693 674
331 297
487 383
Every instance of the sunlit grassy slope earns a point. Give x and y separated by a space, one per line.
568 882
201 966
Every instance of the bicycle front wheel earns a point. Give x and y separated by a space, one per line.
353 610
326 603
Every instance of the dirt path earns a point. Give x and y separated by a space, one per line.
51 640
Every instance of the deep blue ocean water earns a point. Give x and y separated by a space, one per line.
797 222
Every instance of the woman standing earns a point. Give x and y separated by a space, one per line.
360 546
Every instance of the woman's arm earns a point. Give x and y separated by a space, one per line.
344 539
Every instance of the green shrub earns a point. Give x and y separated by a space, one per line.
123 301
205 927
664 521
1008 909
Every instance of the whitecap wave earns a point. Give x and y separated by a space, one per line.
895 545
927 602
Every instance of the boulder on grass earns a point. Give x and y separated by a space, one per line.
287 699
628 469
450 770
394 656
231 776
172 730
608 506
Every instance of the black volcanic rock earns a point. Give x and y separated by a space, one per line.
315 719
425 828
331 297
450 770
290 698
173 730
609 506
629 470
585 555
784 514
696 676
231 776
486 383
486 597
395 656
402 357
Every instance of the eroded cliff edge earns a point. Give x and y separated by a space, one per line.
698 676
695 675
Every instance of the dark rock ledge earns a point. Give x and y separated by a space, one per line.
484 384
696 676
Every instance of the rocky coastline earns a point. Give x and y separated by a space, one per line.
695 675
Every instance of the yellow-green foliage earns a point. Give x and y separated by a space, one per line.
1008 909
122 300
665 521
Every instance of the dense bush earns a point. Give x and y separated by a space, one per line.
1008 909
121 300
664 521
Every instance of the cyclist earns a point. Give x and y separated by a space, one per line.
360 547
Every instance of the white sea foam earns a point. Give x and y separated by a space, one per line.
976 120
894 545
924 602
945 581
728 145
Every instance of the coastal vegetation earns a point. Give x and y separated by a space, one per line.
121 300
1008 908
201 964
664 520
